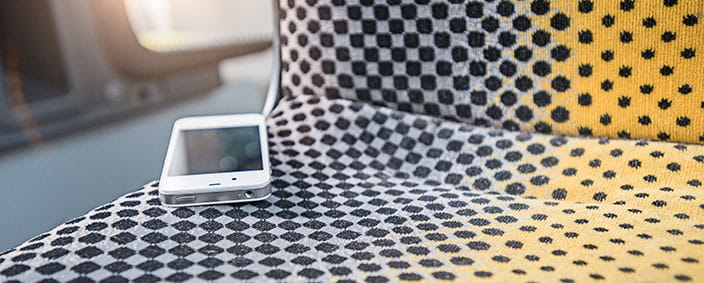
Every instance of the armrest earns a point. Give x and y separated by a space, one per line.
136 61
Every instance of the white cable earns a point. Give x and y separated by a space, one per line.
272 95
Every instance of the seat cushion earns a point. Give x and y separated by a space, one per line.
627 68
367 193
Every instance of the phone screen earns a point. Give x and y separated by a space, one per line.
216 151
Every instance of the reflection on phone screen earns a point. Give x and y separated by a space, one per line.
216 151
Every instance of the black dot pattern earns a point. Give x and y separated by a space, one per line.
383 169
504 64
479 62
372 194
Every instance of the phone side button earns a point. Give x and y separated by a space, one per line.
182 199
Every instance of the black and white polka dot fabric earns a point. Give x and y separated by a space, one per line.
420 57
364 193
415 57
395 158
575 67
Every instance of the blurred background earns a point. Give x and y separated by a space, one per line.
89 91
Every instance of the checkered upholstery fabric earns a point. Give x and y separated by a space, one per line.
628 69
395 156
366 193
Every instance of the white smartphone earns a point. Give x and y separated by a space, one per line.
216 159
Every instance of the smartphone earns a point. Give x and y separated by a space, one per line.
215 160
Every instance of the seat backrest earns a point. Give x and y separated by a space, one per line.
629 68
